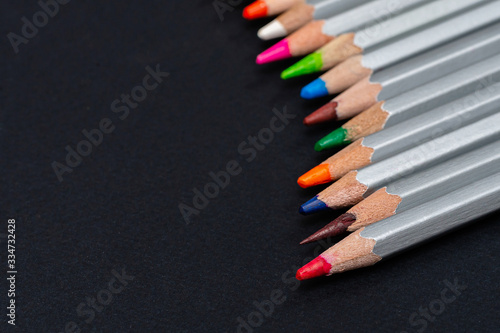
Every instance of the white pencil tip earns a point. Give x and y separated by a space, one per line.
273 29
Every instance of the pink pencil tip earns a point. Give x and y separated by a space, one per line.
276 52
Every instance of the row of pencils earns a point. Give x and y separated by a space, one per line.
418 82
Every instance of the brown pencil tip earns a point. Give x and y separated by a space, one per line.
327 112
334 228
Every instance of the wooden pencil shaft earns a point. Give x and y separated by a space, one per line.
431 37
353 19
434 123
446 177
430 153
403 231
438 62
398 26
441 91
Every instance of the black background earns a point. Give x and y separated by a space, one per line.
119 208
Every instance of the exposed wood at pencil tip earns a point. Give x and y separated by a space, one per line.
352 252
308 38
376 207
357 98
345 74
296 16
346 192
367 122
339 49
350 158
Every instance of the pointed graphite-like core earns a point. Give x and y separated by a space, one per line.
310 64
315 89
316 176
332 140
313 206
255 10
276 52
332 229
315 268
327 112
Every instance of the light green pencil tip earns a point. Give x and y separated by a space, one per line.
332 140
310 64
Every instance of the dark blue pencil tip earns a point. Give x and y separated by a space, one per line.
315 89
312 206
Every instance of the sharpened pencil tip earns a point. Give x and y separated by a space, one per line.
310 64
327 112
332 140
255 10
332 229
313 206
273 29
315 89
316 176
317 267
276 52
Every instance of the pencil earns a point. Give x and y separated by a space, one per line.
358 67
409 192
408 134
400 232
409 104
264 8
402 77
317 33
302 13
357 185
374 35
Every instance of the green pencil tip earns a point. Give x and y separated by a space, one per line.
310 64
332 140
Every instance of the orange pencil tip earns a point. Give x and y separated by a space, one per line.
315 268
316 176
255 10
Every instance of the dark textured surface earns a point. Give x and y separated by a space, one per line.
119 208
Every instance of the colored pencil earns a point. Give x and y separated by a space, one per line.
358 67
317 33
409 104
264 8
408 134
400 232
302 13
414 71
401 78
419 188
357 185
374 35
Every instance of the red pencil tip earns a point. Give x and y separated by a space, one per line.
325 113
255 10
317 267
334 228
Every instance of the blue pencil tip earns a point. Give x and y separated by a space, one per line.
312 206
315 89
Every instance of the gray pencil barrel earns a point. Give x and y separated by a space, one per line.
399 26
403 231
434 123
430 153
358 17
438 62
442 91
328 8
446 177
426 39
